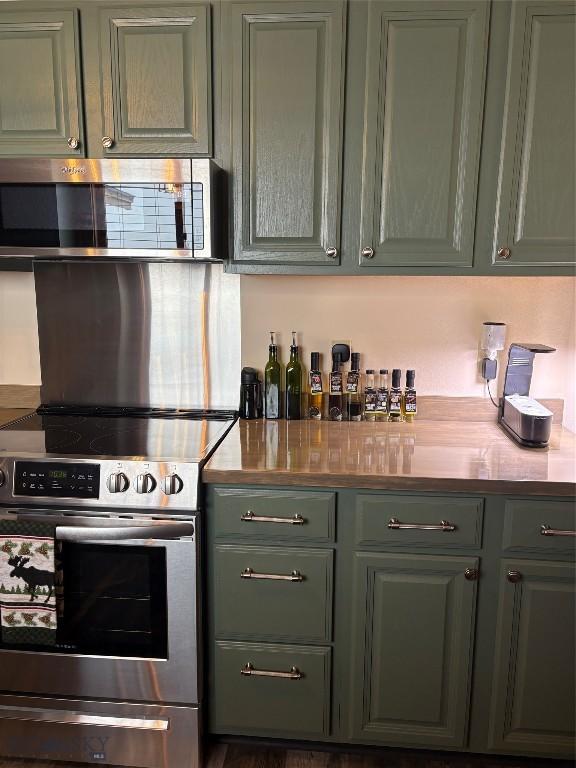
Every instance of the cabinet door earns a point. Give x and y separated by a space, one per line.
533 703
40 105
424 104
413 648
155 69
286 94
536 218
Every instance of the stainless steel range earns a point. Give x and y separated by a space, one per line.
110 466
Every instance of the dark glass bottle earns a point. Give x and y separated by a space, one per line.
294 383
409 407
316 387
250 394
395 399
272 382
353 397
335 396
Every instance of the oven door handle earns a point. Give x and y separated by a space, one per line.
142 533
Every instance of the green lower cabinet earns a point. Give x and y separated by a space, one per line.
533 702
412 655
271 690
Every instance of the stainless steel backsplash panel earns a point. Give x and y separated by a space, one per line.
163 335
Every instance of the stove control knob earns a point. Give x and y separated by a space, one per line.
145 483
172 484
117 482
2 478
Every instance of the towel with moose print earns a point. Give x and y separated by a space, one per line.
27 599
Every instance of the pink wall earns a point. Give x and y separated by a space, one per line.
431 324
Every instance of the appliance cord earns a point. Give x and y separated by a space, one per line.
490 393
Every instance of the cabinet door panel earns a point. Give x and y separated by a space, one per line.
536 216
413 648
287 79
39 96
155 80
425 70
533 705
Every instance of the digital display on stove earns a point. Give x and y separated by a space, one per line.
70 480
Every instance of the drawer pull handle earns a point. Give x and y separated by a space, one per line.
396 525
250 517
248 573
249 671
545 530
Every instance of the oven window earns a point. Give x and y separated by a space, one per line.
115 601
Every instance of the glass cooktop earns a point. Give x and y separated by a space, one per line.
189 437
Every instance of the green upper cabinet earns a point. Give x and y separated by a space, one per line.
285 86
533 703
40 97
425 71
535 217
155 77
412 656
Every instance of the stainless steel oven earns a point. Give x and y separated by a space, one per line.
148 209
128 611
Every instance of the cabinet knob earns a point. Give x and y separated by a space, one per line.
367 253
332 252
107 142
471 574
504 254
73 142
514 576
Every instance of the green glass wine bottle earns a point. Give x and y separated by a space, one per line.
294 383
272 382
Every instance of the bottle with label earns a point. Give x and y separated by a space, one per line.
335 396
409 406
294 383
382 396
272 382
395 398
353 398
316 388
369 396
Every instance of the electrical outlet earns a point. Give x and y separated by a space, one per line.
341 341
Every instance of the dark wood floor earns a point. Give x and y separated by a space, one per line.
244 756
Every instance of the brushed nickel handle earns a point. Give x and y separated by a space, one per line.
504 254
250 517
248 573
107 142
396 525
471 574
250 671
514 576
367 253
332 252
73 142
545 530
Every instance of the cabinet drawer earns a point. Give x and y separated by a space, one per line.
295 702
272 593
274 514
526 521
401 520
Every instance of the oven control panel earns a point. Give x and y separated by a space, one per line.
63 480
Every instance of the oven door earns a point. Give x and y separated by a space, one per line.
127 624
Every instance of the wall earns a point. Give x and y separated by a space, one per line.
19 361
431 324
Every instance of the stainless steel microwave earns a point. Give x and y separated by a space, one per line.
145 209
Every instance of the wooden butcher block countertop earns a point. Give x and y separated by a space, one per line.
460 456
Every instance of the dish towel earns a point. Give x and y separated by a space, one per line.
27 598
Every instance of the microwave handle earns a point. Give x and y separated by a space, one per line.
144 533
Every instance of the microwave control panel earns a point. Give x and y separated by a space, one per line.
64 480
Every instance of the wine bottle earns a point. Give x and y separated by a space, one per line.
335 396
353 399
316 388
272 382
294 383
395 400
